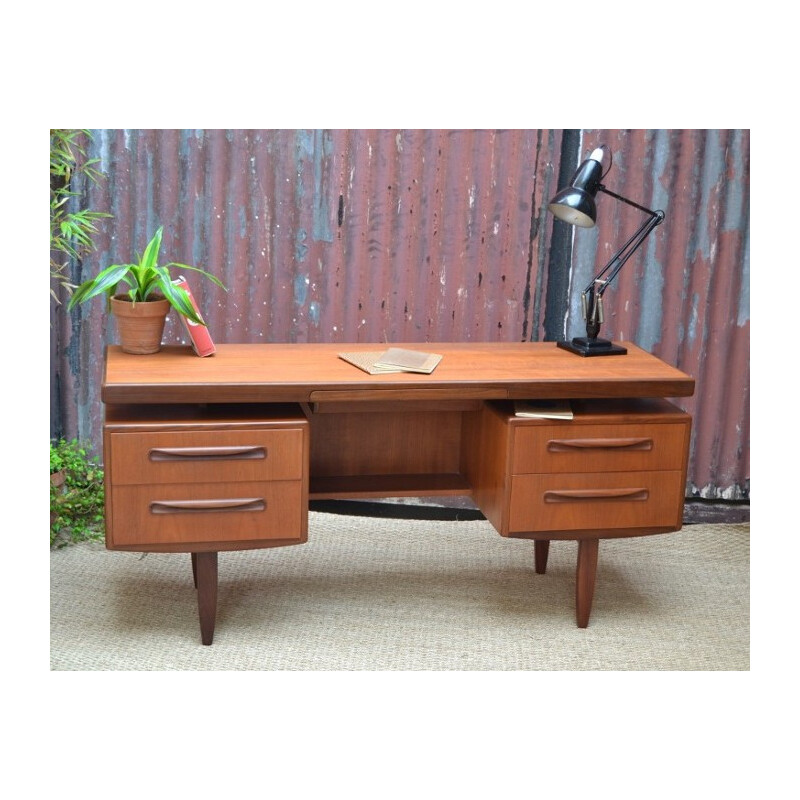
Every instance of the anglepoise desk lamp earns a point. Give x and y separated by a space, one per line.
575 205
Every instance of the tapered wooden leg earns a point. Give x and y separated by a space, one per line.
541 549
206 565
585 578
194 569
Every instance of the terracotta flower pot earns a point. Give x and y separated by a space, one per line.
140 325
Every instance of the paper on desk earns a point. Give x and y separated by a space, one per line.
409 360
367 362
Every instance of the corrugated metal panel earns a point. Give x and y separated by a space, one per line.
424 235
685 296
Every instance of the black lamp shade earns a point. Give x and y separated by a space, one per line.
574 206
575 203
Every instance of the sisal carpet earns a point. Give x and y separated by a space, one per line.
400 594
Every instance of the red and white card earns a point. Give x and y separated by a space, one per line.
201 340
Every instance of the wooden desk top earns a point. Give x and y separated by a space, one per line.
252 373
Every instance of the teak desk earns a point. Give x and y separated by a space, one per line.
204 455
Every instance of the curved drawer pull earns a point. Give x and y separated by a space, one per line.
207 506
564 445
577 495
245 453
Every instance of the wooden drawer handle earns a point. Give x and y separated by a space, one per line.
577 495
245 453
564 445
207 506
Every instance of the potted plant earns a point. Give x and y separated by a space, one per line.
142 309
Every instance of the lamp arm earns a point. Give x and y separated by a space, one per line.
602 188
619 259
592 297
654 219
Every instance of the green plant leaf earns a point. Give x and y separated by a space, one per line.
103 282
208 275
178 297
150 257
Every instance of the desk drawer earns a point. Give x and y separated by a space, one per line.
211 512
598 448
203 456
567 502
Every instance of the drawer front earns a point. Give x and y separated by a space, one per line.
598 448
567 502
213 512
204 456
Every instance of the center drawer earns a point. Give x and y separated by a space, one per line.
204 456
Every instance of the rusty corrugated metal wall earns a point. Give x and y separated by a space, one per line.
425 235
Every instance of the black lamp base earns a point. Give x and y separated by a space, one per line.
593 347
